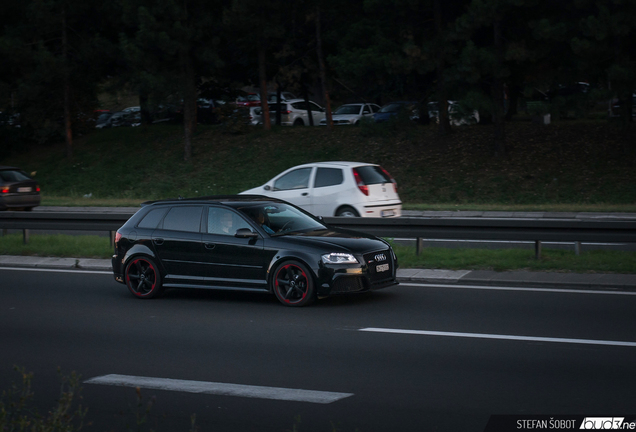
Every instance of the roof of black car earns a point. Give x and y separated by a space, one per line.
216 199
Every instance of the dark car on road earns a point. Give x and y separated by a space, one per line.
248 243
18 191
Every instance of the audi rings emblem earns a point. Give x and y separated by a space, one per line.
380 257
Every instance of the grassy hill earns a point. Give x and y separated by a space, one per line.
566 165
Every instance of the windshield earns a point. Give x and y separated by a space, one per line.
391 108
348 109
279 218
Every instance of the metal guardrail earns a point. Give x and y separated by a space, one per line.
537 230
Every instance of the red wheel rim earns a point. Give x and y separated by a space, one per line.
141 277
291 284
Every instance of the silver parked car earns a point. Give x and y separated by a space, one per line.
352 114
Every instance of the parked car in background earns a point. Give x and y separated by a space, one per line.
248 100
129 118
352 114
336 189
256 115
294 112
615 107
102 118
284 97
18 191
458 115
394 109
248 243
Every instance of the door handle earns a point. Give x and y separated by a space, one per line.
158 241
209 246
305 193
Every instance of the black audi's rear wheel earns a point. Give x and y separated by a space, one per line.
143 278
293 284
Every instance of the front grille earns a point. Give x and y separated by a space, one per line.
373 260
347 284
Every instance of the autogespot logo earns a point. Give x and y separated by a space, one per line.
607 423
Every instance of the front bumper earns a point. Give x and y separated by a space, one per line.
368 275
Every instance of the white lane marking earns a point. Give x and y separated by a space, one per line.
224 389
500 288
57 270
501 337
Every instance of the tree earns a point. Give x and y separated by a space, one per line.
174 42
54 52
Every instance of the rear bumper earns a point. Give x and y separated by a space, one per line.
11 201
390 209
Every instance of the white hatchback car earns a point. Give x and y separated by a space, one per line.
294 112
336 189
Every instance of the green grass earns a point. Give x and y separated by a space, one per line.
597 261
566 166
61 245
57 245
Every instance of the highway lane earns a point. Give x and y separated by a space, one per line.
557 357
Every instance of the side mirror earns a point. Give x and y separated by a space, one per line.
245 233
267 187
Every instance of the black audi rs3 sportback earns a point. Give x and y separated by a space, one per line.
248 243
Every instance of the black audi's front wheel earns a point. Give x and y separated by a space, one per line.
143 278
293 284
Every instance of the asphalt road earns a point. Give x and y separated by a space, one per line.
466 353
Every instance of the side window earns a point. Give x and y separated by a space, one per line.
314 107
297 179
299 106
366 110
152 219
375 108
328 177
225 222
183 218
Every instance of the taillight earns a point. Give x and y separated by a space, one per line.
37 188
363 188
4 189
392 179
117 237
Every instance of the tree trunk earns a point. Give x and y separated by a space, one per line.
323 74
68 130
499 138
144 108
262 75
442 94
189 101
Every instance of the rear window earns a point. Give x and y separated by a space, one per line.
373 174
152 219
186 218
13 176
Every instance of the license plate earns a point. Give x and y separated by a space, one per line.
24 189
381 268
387 213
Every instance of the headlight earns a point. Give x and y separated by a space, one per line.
339 258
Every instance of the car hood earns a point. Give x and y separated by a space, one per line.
336 240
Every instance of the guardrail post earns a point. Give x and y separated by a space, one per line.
577 248
112 238
418 245
25 236
537 249
3 232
